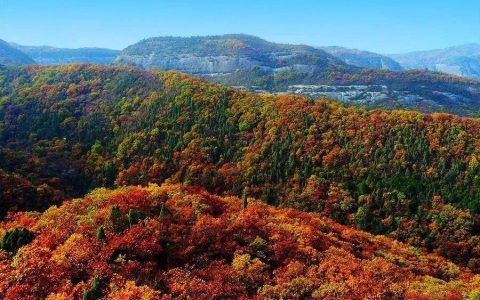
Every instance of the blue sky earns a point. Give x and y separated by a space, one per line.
385 26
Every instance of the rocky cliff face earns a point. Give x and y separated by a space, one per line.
190 63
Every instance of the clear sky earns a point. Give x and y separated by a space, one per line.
385 26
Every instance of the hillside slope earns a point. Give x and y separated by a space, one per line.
178 242
11 56
414 177
46 55
364 59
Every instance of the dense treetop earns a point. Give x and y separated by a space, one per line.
189 244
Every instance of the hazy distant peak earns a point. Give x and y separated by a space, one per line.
363 59
12 56
48 55
463 60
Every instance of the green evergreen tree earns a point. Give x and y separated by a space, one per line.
16 238
163 212
94 292
135 216
101 233
116 221
244 196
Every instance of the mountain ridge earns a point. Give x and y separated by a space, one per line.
463 60
248 51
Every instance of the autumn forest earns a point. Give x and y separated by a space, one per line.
122 183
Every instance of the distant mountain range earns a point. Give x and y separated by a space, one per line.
363 59
347 75
45 55
12 56
461 60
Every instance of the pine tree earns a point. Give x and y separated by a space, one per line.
163 212
116 221
134 216
101 233
244 196
16 238
94 292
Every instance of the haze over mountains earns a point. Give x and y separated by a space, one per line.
364 59
460 60
45 55
463 60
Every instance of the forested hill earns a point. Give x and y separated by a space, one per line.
66 130
224 54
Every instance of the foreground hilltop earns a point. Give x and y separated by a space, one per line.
411 176
255 64
176 241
